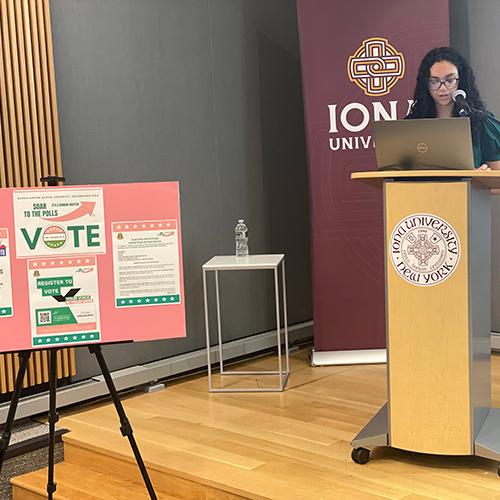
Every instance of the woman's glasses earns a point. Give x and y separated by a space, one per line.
449 83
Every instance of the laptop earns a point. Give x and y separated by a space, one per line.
424 144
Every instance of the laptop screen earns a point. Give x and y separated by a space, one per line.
423 144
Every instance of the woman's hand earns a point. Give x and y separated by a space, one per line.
484 166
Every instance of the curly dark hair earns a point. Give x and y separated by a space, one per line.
423 105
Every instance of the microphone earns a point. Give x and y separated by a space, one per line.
460 97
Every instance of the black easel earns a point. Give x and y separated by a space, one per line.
125 427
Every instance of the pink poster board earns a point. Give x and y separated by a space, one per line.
90 264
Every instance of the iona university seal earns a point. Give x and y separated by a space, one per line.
425 249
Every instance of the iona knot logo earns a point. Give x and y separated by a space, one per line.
376 67
425 249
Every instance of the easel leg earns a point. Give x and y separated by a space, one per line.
125 427
53 419
5 436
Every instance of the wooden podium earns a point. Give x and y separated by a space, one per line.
437 227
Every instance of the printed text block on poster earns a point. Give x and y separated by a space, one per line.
64 300
5 275
146 263
67 221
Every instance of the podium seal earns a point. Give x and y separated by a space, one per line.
424 249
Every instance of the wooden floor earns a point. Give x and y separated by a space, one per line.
291 445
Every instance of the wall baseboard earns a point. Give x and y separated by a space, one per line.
138 375
495 341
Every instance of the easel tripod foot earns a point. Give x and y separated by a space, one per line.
125 427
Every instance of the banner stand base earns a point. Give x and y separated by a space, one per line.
356 357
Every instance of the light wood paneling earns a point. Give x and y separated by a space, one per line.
30 144
37 372
29 138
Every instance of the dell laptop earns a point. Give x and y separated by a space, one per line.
423 144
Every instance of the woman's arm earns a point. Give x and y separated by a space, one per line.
494 165
490 165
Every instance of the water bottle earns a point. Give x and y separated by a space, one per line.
241 239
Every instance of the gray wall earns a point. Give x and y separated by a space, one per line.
207 92
474 32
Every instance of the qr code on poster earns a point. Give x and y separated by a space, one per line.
44 317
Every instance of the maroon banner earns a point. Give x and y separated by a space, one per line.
359 63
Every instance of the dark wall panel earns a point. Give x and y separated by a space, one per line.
474 32
206 92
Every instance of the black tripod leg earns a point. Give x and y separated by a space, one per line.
18 387
53 418
125 427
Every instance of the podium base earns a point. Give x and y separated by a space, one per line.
486 444
376 432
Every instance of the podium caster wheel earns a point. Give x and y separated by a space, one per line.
360 455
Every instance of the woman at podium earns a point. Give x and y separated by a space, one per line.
442 72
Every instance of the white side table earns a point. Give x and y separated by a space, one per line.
233 263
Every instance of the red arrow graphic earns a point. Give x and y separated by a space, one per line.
86 207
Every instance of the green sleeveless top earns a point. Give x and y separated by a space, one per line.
487 147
